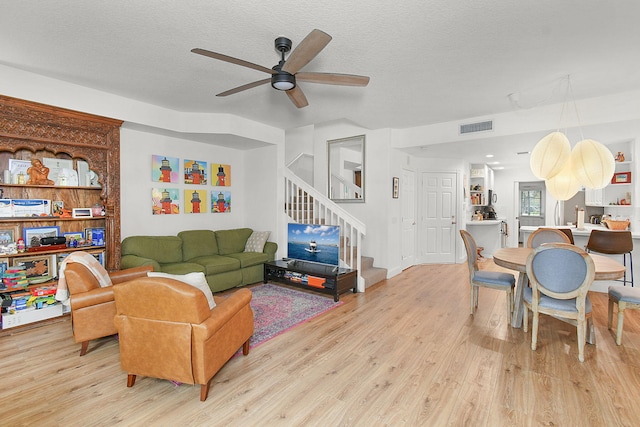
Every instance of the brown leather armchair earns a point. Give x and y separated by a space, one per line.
93 307
167 330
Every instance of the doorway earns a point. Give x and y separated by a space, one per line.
408 200
531 205
438 217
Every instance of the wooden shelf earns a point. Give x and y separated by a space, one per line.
53 251
70 187
30 131
48 218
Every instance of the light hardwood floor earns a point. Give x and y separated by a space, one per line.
405 353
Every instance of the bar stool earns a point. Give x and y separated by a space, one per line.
613 243
625 298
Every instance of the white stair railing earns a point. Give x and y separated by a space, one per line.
305 204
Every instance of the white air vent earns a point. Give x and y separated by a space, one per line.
476 127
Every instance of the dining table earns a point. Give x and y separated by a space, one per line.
516 259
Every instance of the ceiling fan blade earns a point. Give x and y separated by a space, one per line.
244 87
306 50
297 97
333 79
232 60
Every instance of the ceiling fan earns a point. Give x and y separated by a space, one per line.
285 75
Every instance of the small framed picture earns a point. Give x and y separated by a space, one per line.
38 266
94 236
82 213
74 238
32 236
9 233
621 178
57 206
4 264
396 187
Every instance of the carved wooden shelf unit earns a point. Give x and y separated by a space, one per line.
29 129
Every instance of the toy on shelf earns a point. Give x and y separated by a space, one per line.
38 173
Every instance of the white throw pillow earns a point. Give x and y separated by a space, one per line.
256 241
196 280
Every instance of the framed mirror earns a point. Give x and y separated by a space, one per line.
346 169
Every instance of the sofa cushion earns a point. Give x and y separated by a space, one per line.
214 264
197 243
232 241
181 268
197 280
247 259
255 242
164 249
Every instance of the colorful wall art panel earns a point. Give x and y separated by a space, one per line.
165 201
195 172
195 201
220 201
221 175
165 169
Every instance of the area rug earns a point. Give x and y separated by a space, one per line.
276 309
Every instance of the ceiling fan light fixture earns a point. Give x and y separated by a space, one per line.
283 81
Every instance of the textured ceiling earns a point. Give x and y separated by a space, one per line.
429 61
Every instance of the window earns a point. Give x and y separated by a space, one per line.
530 203
532 199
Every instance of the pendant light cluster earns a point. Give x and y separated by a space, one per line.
565 171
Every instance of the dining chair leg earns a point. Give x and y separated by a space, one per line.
472 298
534 331
621 307
525 319
610 314
581 338
475 298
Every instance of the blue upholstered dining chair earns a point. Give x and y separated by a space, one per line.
547 235
488 279
560 275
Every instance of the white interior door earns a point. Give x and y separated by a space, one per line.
438 217
408 200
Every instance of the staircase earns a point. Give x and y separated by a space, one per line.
371 274
304 204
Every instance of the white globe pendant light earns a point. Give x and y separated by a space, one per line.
592 164
549 155
563 185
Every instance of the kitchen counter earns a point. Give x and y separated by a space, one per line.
586 231
486 234
487 222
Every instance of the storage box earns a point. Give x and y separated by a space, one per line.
316 282
30 315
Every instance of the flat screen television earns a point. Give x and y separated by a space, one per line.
314 242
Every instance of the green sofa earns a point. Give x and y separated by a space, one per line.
220 255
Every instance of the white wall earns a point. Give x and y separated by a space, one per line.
251 191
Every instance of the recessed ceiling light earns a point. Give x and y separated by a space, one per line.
494 163
489 155
498 168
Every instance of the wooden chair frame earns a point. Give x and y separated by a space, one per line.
580 319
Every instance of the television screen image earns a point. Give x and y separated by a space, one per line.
314 242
